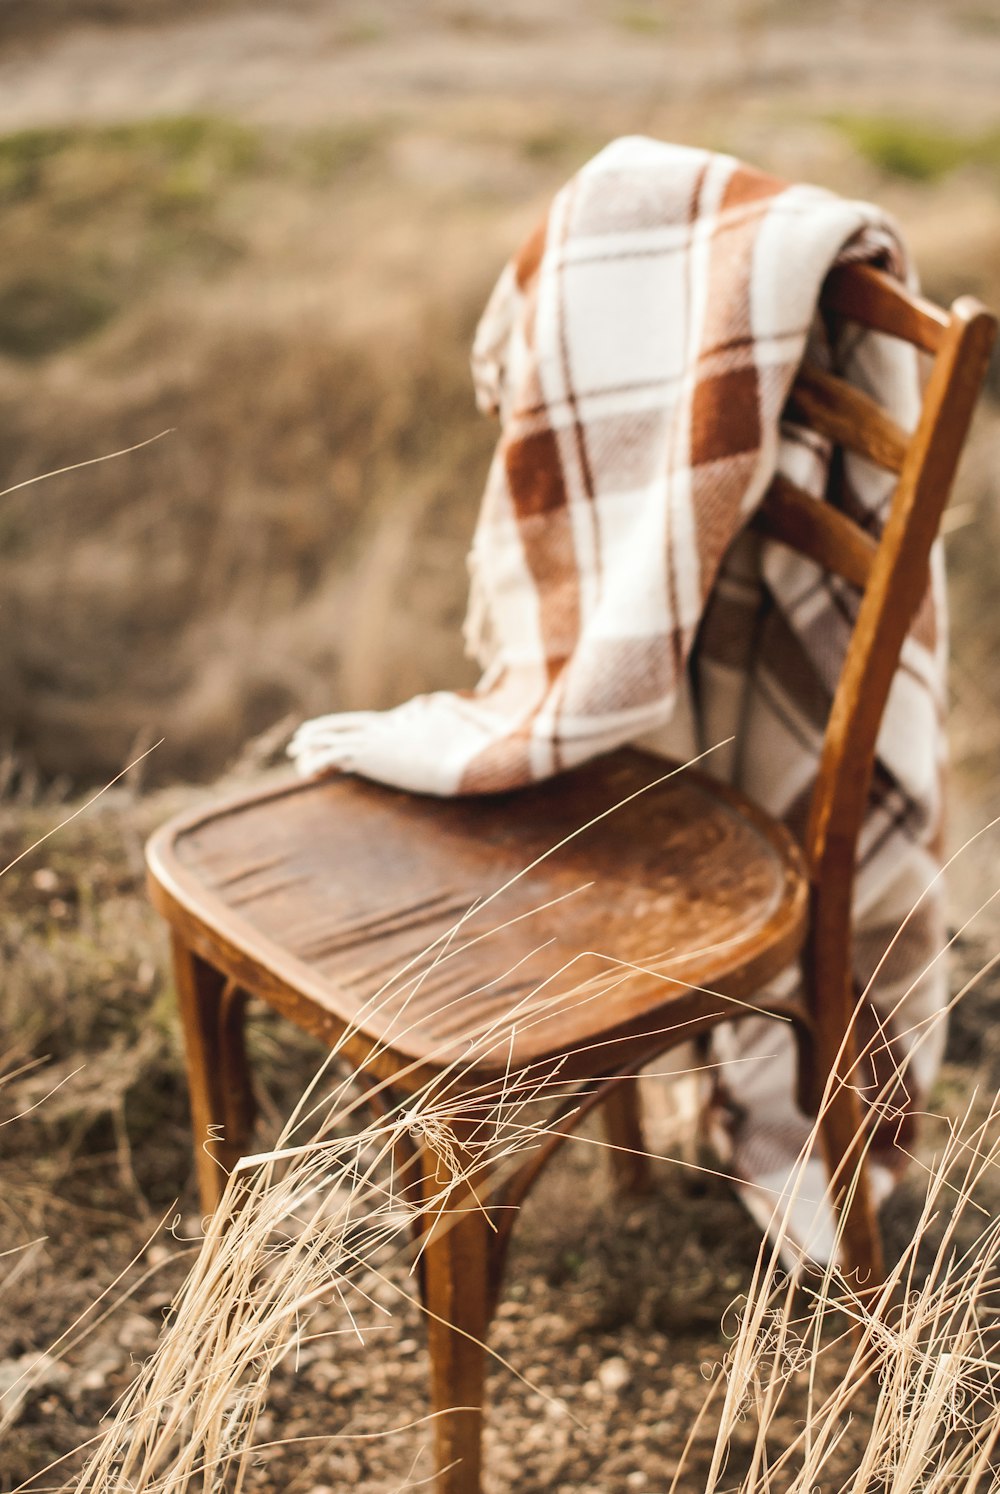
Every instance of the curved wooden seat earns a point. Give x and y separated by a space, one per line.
455 928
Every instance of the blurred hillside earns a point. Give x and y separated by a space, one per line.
272 229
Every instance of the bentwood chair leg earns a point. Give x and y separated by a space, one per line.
201 992
238 1101
861 1255
456 1289
622 1114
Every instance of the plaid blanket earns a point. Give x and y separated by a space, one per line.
639 351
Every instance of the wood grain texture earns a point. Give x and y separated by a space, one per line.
847 416
200 992
361 902
871 298
896 587
817 530
458 1302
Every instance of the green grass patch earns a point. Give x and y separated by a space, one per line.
563 143
23 158
42 314
915 151
96 216
33 163
981 19
363 32
642 20
327 153
188 137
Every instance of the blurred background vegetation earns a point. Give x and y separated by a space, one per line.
272 231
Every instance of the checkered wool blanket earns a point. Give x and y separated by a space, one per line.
639 351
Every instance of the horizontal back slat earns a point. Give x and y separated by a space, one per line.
848 416
860 293
817 530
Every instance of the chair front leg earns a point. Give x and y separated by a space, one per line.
457 1298
622 1113
211 1017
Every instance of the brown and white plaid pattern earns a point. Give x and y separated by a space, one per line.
640 350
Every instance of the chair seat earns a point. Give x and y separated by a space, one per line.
449 929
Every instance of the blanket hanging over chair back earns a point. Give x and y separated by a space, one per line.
639 351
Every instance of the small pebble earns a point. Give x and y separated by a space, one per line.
613 1375
136 1332
99 1374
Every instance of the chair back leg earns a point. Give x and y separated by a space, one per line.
238 1101
622 1114
843 1141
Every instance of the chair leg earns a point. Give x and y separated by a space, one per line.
216 1068
622 1113
456 1290
861 1255
238 1102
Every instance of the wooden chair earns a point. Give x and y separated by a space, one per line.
308 895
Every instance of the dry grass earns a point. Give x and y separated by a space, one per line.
896 1388
316 1222
922 1376
96 1165
299 1228
260 560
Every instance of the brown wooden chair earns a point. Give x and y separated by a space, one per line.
307 896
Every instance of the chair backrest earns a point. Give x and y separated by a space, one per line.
892 571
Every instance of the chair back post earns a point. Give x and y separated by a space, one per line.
896 586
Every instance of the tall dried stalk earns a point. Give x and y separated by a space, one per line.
299 1223
297 1227
923 1373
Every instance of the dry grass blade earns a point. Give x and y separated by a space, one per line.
295 1229
306 1225
82 809
107 456
923 1374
